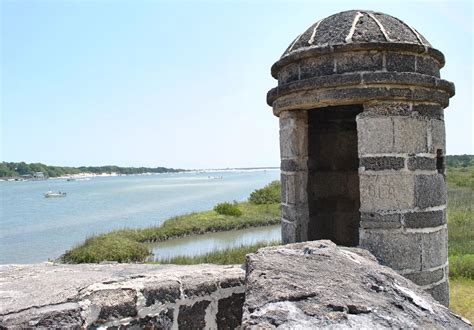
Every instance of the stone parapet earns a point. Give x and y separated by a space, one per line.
121 296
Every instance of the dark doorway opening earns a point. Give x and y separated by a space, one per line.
333 179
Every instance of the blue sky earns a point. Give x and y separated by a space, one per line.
179 84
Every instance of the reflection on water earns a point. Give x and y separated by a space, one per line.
201 244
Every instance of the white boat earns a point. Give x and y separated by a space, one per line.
50 194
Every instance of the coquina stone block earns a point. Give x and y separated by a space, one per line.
410 135
428 277
430 190
396 249
435 249
375 135
386 192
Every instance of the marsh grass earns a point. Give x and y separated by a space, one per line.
223 257
127 245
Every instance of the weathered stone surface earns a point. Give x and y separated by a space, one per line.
421 163
296 192
359 61
427 65
429 111
346 288
380 220
229 315
375 135
319 66
435 249
410 135
400 62
386 192
382 163
396 249
425 219
293 134
128 295
430 190
438 138
441 292
426 277
289 73
193 317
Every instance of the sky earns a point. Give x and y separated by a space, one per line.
179 83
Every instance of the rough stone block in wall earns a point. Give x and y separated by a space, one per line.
291 232
289 73
359 61
410 135
382 163
294 164
427 277
380 220
316 66
386 192
296 192
440 292
193 316
438 138
421 163
398 250
435 249
427 65
425 219
386 108
294 213
283 188
293 135
375 135
428 111
400 62
430 190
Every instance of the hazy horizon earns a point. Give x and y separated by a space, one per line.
179 84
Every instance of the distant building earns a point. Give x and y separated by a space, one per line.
38 176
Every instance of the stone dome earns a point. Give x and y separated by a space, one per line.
356 27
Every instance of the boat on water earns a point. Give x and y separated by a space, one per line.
50 194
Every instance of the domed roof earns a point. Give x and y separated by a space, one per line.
356 27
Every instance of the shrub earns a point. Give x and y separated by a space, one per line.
462 266
228 209
270 194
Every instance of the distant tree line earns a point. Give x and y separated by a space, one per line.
460 161
10 169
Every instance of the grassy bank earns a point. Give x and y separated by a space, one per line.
127 245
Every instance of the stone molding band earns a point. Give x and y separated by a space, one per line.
359 87
307 52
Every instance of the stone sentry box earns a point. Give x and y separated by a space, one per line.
362 142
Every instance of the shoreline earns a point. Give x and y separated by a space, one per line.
89 175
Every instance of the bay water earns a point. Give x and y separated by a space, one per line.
34 228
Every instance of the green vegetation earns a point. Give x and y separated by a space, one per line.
270 194
462 297
222 257
460 178
226 208
105 247
19 169
460 161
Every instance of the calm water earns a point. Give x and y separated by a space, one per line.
202 244
34 228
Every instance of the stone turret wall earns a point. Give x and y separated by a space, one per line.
362 141
403 191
